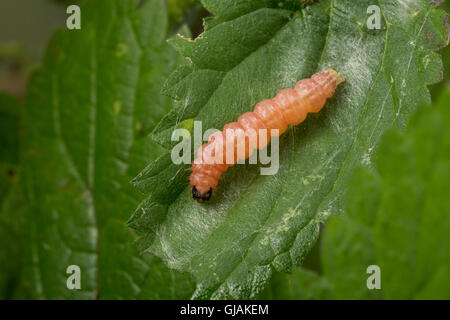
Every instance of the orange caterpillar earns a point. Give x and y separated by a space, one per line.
289 107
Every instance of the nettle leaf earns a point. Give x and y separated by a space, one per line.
13 210
347 248
399 218
255 224
89 111
12 201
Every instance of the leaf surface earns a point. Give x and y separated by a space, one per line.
12 202
89 111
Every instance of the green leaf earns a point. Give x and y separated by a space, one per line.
301 284
12 202
12 233
398 219
9 129
10 135
255 224
88 114
347 247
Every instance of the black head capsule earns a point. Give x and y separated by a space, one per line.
201 197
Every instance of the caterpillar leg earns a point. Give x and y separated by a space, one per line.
201 196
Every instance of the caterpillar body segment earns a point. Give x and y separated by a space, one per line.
269 117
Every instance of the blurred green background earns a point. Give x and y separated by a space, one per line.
25 27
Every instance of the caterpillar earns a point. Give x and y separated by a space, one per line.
289 107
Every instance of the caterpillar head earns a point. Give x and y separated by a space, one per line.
201 196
